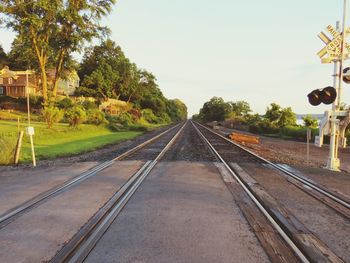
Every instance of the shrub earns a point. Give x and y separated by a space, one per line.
135 113
138 127
65 103
94 116
7 150
89 105
115 127
52 115
148 115
75 116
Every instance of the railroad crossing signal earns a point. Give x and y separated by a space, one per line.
333 48
326 96
346 75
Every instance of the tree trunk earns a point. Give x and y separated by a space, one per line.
59 67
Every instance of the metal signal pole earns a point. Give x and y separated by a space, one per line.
333 160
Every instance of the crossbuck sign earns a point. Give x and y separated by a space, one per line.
332 51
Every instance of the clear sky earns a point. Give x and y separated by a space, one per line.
257 51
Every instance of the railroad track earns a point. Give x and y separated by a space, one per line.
23 208
79 247
303 243
331 199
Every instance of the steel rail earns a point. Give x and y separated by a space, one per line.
85 243
7 217
298 178
278 228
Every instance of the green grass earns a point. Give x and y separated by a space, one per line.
62 140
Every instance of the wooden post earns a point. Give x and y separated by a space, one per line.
308 138
17 124
32 146
18 146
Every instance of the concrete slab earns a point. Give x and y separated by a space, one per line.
183 212
39 234
19 185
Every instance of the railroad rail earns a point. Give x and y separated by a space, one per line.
26 206
328 197
306 246
79 247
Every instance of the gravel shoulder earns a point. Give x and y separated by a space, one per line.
293 153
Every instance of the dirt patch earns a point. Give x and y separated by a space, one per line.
293 152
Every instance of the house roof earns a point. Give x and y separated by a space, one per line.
7 73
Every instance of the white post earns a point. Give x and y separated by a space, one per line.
339 91
333 162
28 109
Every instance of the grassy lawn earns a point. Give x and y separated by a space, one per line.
62 140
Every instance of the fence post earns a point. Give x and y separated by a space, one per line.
18 146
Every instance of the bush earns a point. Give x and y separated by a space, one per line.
123 118
52 115
75 116
297 132
115 127
135 113
148 115
7 150
94 116
89 105
36 101
138 127
65 103
263 126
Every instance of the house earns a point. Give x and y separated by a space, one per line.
67 84
14 83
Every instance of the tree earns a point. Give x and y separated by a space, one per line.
3 58
55 29
287 118
21 55
215 110
100 69
240 108
310 122
273 113
176 110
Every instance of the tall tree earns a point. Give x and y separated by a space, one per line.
273 112
215 110
3 58
240 108
55 28
101 70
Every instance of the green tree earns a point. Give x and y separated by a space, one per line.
3 58
310 122
176 110
240 108
55 29
214 110
21 55
287 118
100 70
273 113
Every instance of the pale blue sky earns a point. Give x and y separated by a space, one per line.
257 51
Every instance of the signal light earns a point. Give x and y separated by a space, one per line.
326 96
346 75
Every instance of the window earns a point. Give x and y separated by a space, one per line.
1 81
1 90
10 80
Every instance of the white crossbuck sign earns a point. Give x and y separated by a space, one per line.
332 51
